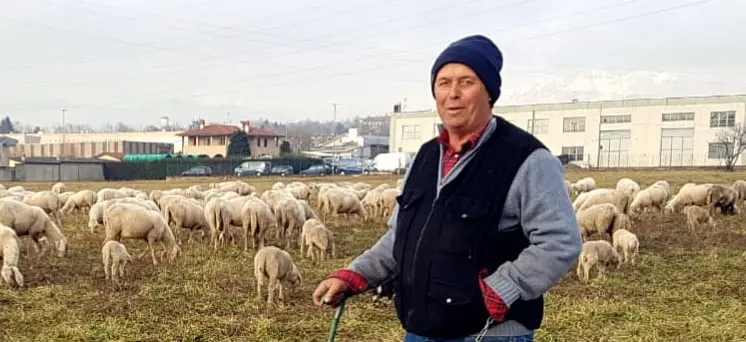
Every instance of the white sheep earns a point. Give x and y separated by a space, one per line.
568 186
96 214
584 185
48 201
186 214
620 198
59 188
218 215
601 218
689 195
115 257
128 221
342 201
319 241
628 185
34 222
696 215
599 253
275 268
256 218
10 251
740 187
653 196
107 194
626 244
81 200
387 201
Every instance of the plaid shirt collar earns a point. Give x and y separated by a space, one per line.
443 139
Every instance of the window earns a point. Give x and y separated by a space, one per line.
540 126
723 119
204 141
265 142
677 117
220 140
611 119
410 132
575 153
574 124
717 150
192 141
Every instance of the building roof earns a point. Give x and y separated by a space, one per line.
56 160
226 130
8 141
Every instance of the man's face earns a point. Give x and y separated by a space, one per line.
460 96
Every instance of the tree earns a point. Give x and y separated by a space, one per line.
731 143
285 148
239 145
6 126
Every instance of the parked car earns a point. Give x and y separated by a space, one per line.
252 168
198 171
353 167
281 170
317 170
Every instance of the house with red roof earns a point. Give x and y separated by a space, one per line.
213 140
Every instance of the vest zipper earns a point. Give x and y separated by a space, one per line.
413 266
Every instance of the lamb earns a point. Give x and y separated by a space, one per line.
653 196
275 268
599 253
319 241
689 195
186 214
626 244
128 221
696 215
218 215
620 198
724 198
601 218
584 185
628 185
256 218
34 222
115 257
59 188
9 250
80 200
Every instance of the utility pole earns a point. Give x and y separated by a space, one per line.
334 129
64 131
533 121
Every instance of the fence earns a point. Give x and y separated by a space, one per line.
668 160
174 167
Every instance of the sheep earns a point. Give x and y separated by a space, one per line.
256 218
115 257
96 214
80 200
218 215
601 218
319 241
626 244
584 185
308 212
9 250
338 201
34 222
653 196
628 185
47 200
275 268
65 196
186 214
16 188
740 187
724 198
599 253
59 188
568 186
387 201
107 194
620 198
664 184
689 195
128 221
696 215
290 215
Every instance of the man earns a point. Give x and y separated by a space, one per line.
483 227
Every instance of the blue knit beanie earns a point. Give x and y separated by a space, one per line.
481 55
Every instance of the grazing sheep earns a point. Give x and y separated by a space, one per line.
129 221
107 194
387 201
307 211
584 185
601 218
723 198
275 268
96 214
599 253
257 218
620 198
740 186
34 222
341 201
319 241
626 244
696 215
9 250
115 257
81 200
653 196
664 184
689 194
48 201
218 215
628 185
59 188
568 186
186 214
290 215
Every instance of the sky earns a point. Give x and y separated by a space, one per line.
134 61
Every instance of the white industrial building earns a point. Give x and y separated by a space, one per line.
666 132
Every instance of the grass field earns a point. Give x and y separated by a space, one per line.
685 287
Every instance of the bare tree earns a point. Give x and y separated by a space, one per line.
732 142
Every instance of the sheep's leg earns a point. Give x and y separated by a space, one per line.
152 250
246 236
601 270
586 271
114 272
259 285
271 290
107 268
579 270
634 254
281 291
334 249
147 248
301 242
121 269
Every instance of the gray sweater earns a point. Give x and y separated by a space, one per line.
538 202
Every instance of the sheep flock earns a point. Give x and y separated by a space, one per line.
281 237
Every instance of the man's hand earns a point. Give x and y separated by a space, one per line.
330 292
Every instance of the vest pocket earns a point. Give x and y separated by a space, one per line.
450 294
407 203
463 219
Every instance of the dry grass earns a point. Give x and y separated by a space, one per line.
686 287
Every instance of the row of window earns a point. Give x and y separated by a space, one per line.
221 141
577 124
715 150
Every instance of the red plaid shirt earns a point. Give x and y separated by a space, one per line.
496 306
